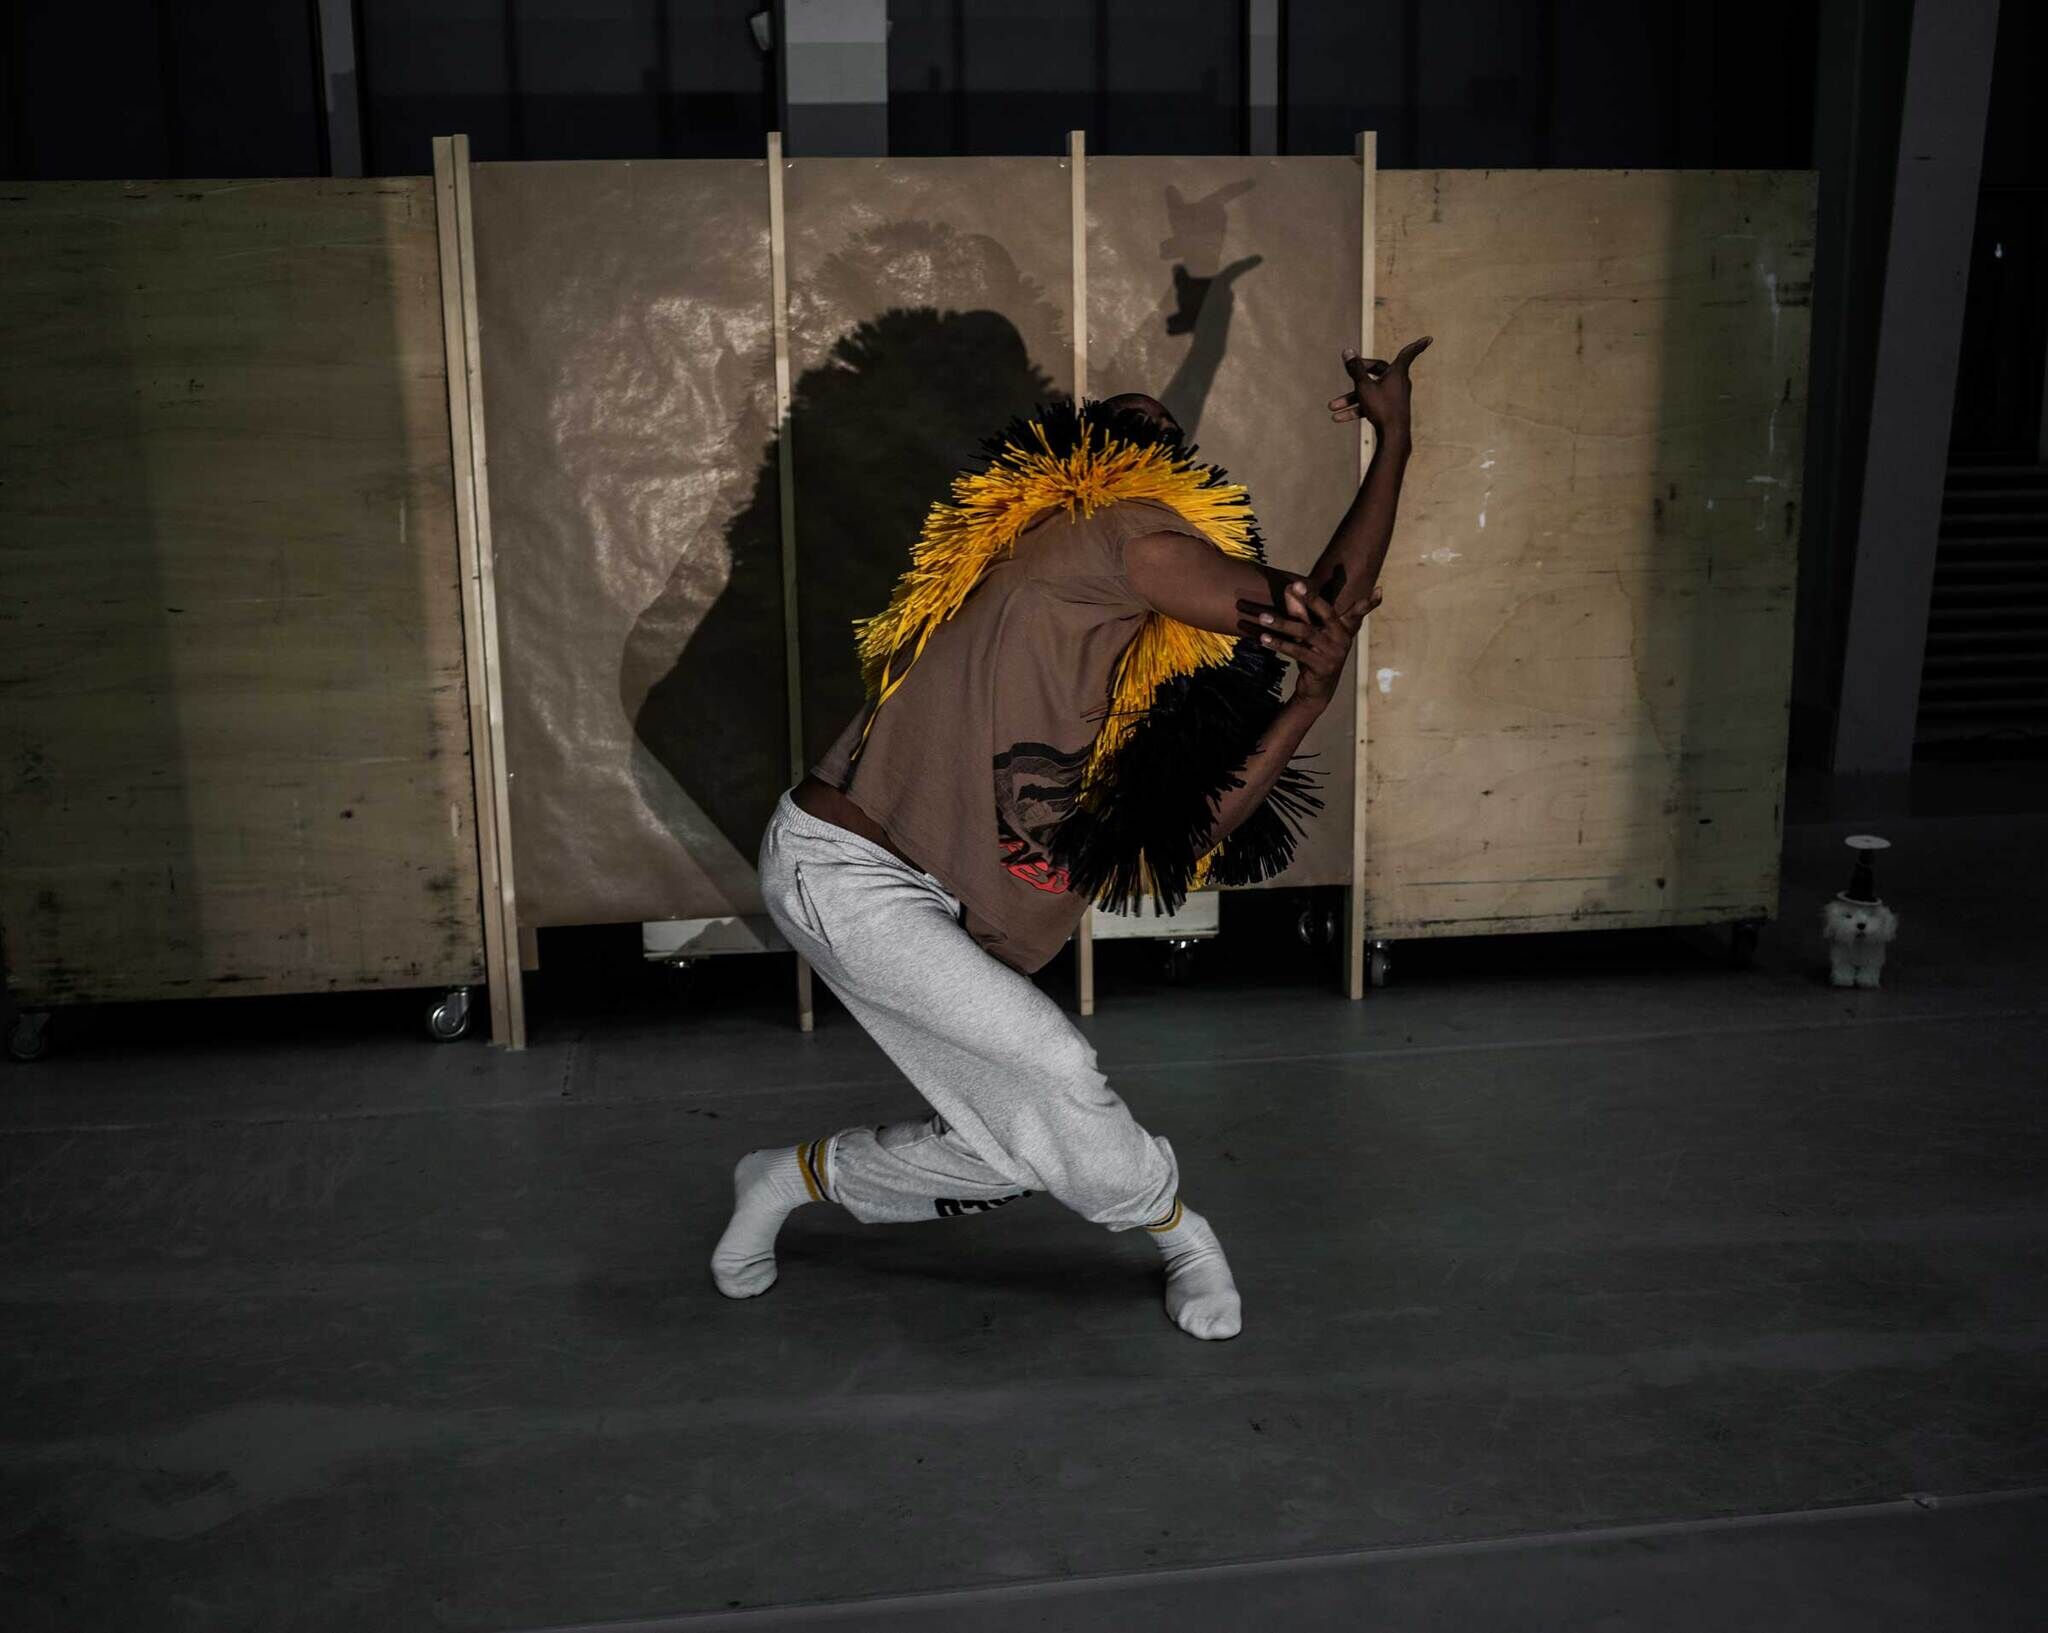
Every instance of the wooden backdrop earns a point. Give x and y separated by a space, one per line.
624 317
235 744
1226 287
1579 680
628 368
1576 691
234 751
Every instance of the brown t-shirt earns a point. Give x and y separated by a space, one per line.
970 763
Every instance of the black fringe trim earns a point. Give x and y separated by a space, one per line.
1155 808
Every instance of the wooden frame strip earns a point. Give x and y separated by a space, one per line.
1077 189
1077 192
479 598
448 240
785 463
1355 927
487 587
785 487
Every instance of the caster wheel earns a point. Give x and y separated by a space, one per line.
449 1018
1317 925
28 1035
680 979
1378 963
1180 961
1742 939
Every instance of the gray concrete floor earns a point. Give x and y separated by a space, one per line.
1589 1282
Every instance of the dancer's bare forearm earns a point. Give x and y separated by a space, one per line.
1349 567
1263 768
1380 394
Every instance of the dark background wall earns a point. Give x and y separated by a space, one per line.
218 87
2005 325
155 88
235 88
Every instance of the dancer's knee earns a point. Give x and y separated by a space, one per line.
1072 1075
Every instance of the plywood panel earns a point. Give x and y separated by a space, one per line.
628 388
1582 667
928 303
1228 287
233 734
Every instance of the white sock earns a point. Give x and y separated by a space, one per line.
1200 1296
767 1187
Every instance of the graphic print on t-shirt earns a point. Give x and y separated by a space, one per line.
1035 785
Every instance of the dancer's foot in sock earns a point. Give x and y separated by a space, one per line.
767 1187
1200 1295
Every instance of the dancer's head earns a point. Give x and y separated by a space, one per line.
1141 411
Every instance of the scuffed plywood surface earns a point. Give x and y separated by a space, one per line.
626 324
1581 671
234 752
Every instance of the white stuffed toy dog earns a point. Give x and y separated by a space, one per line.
1856 925
1857 934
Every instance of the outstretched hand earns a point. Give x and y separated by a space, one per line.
1309 630
1379 393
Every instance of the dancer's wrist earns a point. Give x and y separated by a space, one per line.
1302 709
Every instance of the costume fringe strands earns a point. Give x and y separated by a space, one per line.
1187 706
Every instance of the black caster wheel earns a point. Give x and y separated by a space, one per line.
28 1035
1180 961
1742 939
1316 924
1378 963
449 1018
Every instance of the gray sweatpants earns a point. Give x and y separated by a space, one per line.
1017 1102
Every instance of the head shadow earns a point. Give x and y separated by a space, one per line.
878 430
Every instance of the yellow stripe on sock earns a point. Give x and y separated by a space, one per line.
803 1161
1172 1218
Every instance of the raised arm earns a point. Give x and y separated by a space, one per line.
1306 628
1189 580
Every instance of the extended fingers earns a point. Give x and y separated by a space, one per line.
1294 601
1357 615
1363 368
1309 621
1308 604
1273 630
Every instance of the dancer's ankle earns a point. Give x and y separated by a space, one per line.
768 1186
1201 1295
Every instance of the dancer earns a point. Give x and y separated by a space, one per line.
1074 696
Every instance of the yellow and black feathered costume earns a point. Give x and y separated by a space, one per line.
1187 705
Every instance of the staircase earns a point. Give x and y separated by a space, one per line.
1985 681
